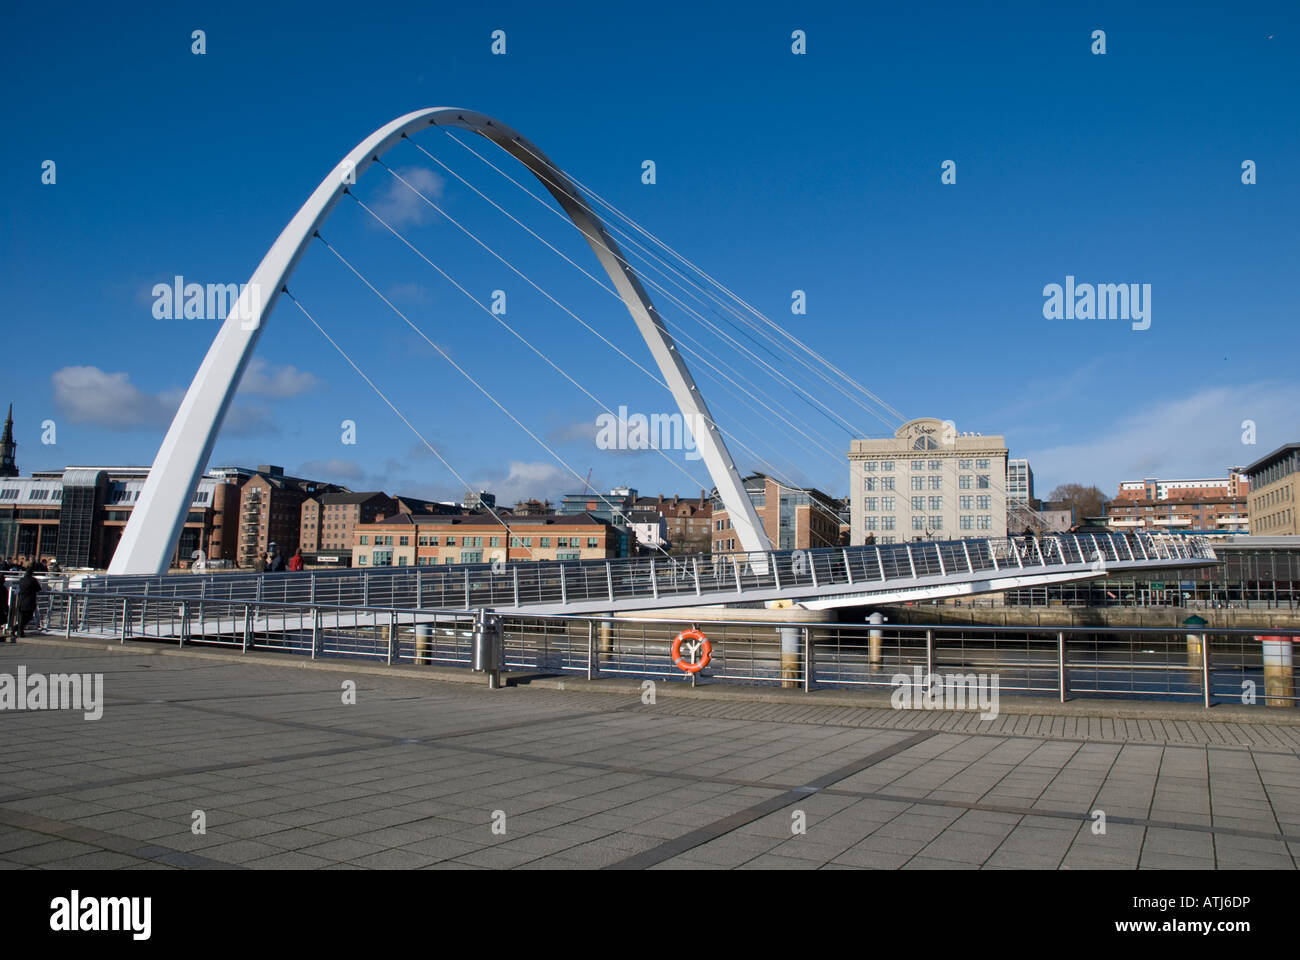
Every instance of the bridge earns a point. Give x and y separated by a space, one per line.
818 578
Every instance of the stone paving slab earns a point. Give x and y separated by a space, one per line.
423 773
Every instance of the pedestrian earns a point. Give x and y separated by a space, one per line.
260 565
277 561
871 538
4 609
295 562
28 588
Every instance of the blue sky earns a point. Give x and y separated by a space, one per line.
775 172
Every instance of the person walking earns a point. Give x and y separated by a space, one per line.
259 566
28 588
277 561
6 632
295 562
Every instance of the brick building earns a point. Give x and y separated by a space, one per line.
794 518
408 539
1216 506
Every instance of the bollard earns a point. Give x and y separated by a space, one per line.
1279 679
593 653
876 635
423 641
488 643
809 660
1194 651
606 636
791 638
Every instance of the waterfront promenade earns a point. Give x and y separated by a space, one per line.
432 773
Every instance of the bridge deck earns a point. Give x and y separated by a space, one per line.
816 578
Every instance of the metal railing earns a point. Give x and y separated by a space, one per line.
713 577
1209 665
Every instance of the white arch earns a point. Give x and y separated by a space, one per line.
155 525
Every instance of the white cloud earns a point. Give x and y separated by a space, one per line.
89 395
261 379
399 205
528 481
1199 435
93 397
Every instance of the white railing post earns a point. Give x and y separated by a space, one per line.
992 555
564 587
848 570
970 567
695 565
880 560
910 562
654 582
609 579
938 552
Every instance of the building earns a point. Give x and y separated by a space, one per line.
1020 482
270 511
1274 488
926 482
794 518
649 530
481 500
77 515
407 539
612 506
1208 506
328 520
687 521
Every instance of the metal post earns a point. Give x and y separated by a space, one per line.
365 588
467 588
938 552
313 588
126 618
248 627
315 632
809 659
910 562
880 561
992 556
592 667
654 583
1060 663
1205 668
72 613
392 637
695 564
564 586
970 567
514 570
929 655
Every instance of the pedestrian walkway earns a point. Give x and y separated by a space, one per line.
420 773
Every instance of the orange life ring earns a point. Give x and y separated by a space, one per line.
706 651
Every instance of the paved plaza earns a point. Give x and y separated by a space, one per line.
422 773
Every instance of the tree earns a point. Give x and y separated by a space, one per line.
1086 501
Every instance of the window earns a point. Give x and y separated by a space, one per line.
936 523
871 503
361 560
936 465
965 481
451 541
887 465
965 464
869 466
872 523
382 558
365 540
546 541
966 503
936 503
887 483
981 464
495 542
918 464
471 556
982 481
869 483
593 542
935 482
966 523
886 503
918 503
984 523
918 483
401 561
918 523
403 541
886 523
566 556
984 503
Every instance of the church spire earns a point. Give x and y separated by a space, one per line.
7 446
